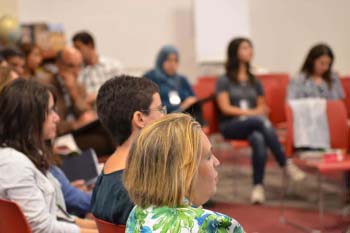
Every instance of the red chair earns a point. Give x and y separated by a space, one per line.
107 227
345 81
273 82
205 87
337 124
275 86
338 132
12 218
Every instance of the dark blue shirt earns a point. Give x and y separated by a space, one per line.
77 201
110 200
167 84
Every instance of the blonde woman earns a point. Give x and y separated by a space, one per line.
171 170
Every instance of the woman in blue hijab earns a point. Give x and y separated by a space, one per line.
175 90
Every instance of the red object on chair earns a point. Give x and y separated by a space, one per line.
12 218
107 227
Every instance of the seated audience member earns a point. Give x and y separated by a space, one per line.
15 60
77 201
6 76
125 105
243 114
175 90
3 62
33 59
72 106
97 69
171 169
316 78
27 119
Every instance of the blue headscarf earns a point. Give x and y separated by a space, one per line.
163 54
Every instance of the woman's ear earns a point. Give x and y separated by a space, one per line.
138 120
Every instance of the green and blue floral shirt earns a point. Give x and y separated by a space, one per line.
180 220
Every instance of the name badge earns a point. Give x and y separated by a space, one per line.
174 98
244 104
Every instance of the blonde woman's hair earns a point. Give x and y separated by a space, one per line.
163 162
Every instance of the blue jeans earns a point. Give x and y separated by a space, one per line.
260 136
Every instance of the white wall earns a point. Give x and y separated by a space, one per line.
284 31
132 31
8 7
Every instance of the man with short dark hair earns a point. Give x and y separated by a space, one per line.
98 69
124 105
15 60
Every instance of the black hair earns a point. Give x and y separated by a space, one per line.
232 62
85 38
118 99
314 53
24 107
9 53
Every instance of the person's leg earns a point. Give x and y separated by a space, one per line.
257 142
246 129
272 142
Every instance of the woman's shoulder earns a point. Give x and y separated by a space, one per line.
299 77
212 221
11 155
188 219
150 74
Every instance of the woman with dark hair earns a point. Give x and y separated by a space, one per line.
175 91
243 114
316 78
27 119
33 60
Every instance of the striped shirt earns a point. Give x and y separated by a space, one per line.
93 76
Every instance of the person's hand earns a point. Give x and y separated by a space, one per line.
85 223
70 81
85 118
263 110
80 184
188 102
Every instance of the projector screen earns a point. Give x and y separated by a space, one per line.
216 23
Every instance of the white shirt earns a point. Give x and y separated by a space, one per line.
93 76
23 183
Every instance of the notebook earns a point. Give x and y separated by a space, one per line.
83 166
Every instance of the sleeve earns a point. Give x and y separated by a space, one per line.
259 88
338 87
117 68
75 199
293 89
29 197
222 85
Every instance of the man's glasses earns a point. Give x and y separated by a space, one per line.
162 109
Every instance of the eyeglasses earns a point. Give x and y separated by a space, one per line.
162 109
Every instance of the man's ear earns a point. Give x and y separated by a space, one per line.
138 119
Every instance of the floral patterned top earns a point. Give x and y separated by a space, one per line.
180 220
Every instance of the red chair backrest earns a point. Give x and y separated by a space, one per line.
107 227
12 218
345 81
275 87
337 124
203 88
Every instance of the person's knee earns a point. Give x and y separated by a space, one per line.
256 139
257 123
